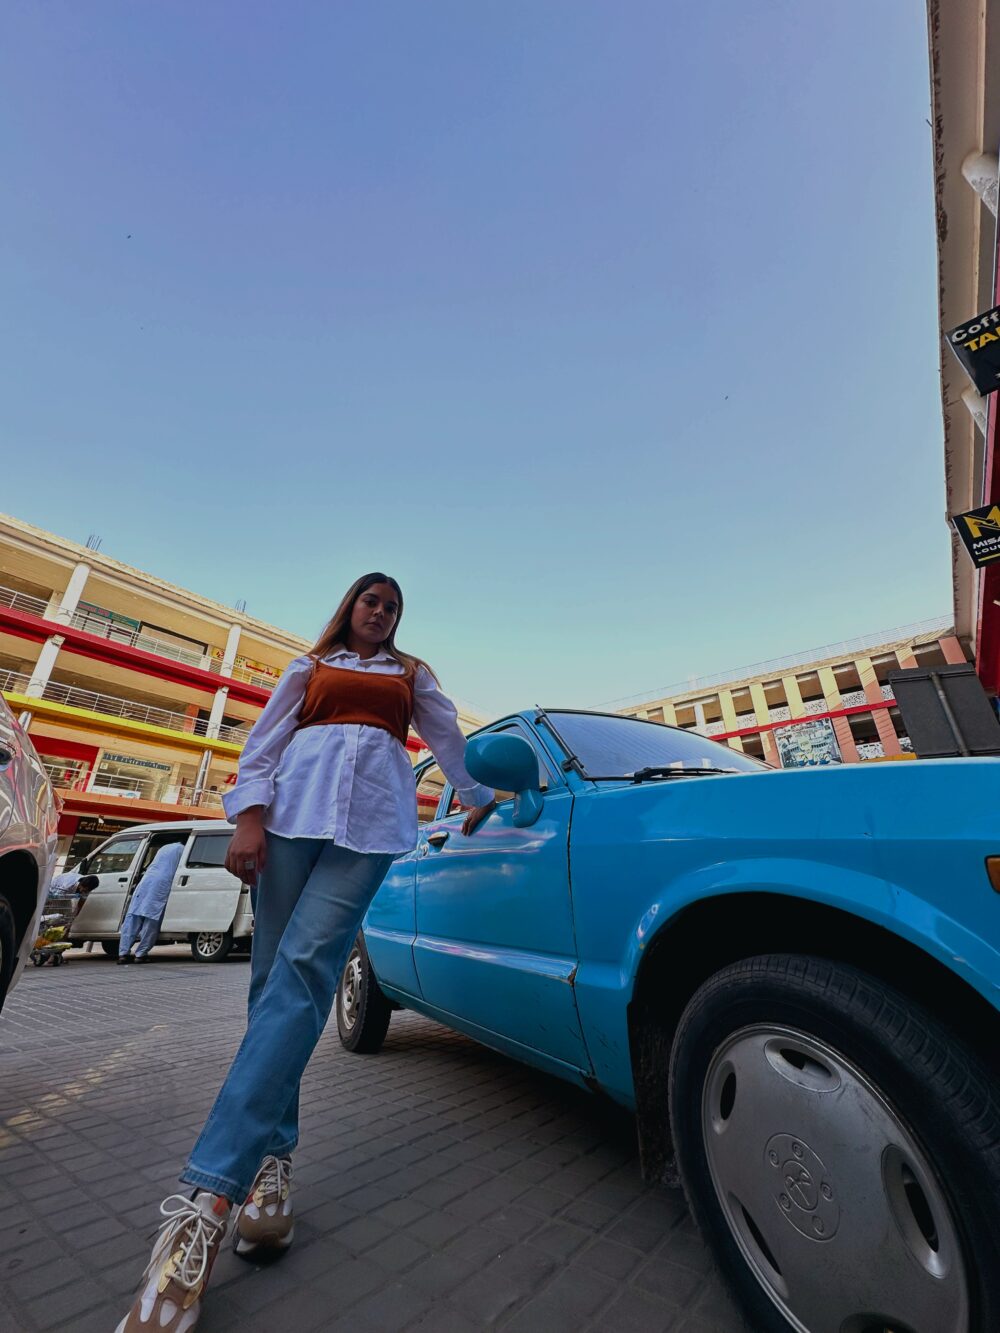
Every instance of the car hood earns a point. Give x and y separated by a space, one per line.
953 797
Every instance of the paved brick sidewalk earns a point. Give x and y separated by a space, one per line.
439 1186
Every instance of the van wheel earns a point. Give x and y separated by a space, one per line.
363 1012
110 948
8 947
840 1150
211 946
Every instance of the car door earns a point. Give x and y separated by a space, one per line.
204 894
390 924
495 943
115 865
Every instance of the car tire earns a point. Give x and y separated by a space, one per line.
810 1102
8 947
363 1012
109 948
211 946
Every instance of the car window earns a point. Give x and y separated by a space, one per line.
544 777
430 785
115 858
208 851
613 746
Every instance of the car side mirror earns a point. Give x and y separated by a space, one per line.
502 760
84 867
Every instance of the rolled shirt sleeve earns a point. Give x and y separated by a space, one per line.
268 739
435 719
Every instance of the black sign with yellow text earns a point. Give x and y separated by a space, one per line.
977 346
979 530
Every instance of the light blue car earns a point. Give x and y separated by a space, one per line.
791 977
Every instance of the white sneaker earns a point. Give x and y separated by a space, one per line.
169 1299
266 1222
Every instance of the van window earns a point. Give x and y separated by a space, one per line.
208 851
115 858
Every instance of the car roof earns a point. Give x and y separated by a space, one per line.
172 826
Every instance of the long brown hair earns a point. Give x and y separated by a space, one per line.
338 627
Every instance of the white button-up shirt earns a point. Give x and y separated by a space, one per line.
347 782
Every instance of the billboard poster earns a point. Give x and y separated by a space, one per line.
979 530
976 343
808 745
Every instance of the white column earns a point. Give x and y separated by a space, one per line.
91 781
977 407
218 709
980 170
74 591
232 644
43 667
700 723
201 780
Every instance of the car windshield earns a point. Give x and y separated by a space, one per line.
622 746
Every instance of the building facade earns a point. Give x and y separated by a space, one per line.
138 695
834 703
964 49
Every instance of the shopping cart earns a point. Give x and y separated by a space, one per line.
53 927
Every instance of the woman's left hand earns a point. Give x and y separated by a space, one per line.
476 816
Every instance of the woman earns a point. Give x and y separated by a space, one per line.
324 802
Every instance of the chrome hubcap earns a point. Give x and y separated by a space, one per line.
209 943
832 1202
350 990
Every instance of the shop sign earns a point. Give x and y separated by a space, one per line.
102 613
248 664
136 763
979 530
101 828
977 346
808 745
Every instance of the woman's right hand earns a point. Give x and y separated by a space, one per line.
247 853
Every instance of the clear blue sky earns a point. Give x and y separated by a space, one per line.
609 329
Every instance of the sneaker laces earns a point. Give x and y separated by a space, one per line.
273 1177
194 1250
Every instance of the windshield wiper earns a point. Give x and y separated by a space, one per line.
641 774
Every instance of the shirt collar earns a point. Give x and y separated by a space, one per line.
341 650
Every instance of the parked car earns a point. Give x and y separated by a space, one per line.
792 977
28 820
208 906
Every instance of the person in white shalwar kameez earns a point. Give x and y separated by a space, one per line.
149 902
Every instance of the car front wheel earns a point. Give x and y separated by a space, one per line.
840 1150
363 1012
211 946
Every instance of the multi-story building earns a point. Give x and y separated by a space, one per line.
138 695
770 709
964 45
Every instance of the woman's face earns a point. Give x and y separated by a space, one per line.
375 613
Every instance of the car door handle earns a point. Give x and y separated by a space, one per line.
183 880
6 756
123 879
439 838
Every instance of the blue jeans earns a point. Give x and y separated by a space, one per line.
145 929
308 908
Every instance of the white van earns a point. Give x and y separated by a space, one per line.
208 906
